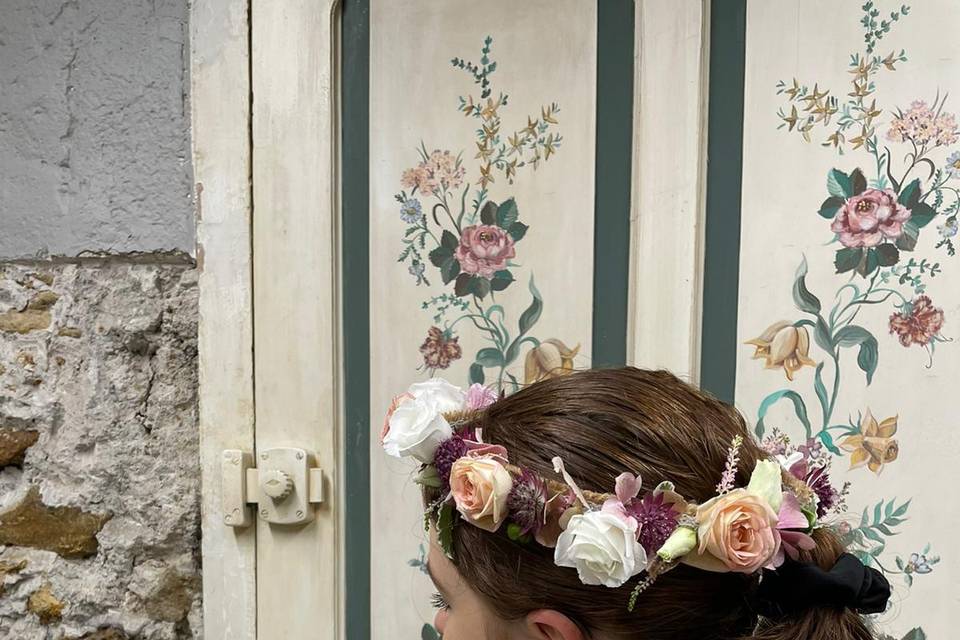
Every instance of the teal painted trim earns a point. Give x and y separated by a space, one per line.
611 249
721 268
355 256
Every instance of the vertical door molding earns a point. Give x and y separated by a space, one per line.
220 106
669 163
296 310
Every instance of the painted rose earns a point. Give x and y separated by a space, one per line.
416 426
785 346
917 323
550 359
602 547
484 249
868 219
480 487
874 446
738 529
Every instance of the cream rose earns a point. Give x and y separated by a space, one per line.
480 486
416 426
738 529
602 547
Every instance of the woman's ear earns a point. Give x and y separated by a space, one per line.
547 624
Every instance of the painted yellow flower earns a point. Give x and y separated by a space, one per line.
783 345
551 359
874 446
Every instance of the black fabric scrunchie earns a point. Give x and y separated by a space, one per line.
794 587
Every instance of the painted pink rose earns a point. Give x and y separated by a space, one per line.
484 249
868 219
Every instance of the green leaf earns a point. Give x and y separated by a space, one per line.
910 195
915 634
479 287
799 407
822 336
501 280
462 286
838 184
921 214
429 633
517 230
869 263
489 357
488 214
830 207
827 441
902 509
820 389
873 535
449 270
847 259
532 313
445 529
868 357
858 182
449 241
908 239
851 336
507 214
476 373
440 255
887 255
429 477
805 301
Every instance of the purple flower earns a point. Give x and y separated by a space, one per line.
448 452
818 479
657 520
526 502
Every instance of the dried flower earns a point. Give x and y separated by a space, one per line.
448 452
527 501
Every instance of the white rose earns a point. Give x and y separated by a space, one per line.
602 547
416 427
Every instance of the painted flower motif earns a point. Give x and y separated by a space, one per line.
949 228
480 487
868 219
918 564
480 397
785 346
602 547
439 173
411 211
917 323
484 249
922 125
416 426
874 446
953 164
440 349
550 359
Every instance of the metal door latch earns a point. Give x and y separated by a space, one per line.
283 486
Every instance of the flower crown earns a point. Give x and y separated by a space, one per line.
608 537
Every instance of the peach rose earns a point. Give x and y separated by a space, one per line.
739 529
480 487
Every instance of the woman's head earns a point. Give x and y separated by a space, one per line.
601 423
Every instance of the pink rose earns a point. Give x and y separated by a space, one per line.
480 397
867 219
739 529
480 487
484 249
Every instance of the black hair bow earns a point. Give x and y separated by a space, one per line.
794 587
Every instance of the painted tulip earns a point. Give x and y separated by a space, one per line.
784 346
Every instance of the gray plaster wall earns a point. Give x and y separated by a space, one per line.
94 127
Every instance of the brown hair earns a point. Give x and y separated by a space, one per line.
602 423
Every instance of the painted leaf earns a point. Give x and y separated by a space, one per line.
449 270
852 336
488 214
830 207
501 280
517 230
805 301
429 633
476 373
868 263
799 407
858 183
908 239
847 259
921 214
489 357
822 336
507 214
827 441
440 255
915 634
532 313
820 389
838 184
449 240
479 287
462 285
887 255
910 195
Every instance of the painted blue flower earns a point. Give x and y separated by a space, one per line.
410 211
949 228
416 270
953 164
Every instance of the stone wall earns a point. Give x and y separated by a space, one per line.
99 487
